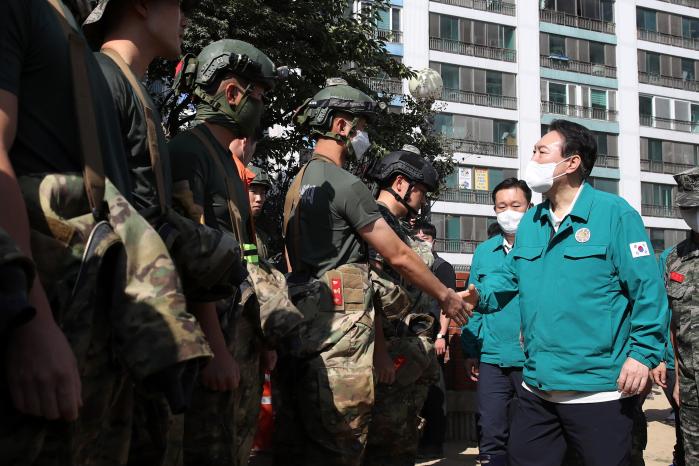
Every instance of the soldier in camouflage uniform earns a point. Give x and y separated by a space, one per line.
228 80
326 385
404 178
682 283
108 298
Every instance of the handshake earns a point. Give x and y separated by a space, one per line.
459 306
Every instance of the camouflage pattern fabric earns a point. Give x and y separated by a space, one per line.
682 283
323 400
263 240
121 309
394 433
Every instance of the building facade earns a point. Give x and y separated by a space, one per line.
628 70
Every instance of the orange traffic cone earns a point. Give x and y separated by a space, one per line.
265 420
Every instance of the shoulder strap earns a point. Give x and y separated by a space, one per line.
233 211
151 132
93 170
292 203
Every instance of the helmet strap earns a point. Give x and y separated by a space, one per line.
404 200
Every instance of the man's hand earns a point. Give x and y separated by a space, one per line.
222 373
454 307
472 369
385 370
42 372
470 297
659 375
269 360
633 377
440 346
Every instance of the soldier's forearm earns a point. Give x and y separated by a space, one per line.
208 320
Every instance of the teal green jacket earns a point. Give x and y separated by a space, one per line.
669 356
493 337
590 294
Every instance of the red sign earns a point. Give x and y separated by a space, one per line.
676 277
336 287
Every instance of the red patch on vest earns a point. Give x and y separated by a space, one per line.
336 286
676 277
398 362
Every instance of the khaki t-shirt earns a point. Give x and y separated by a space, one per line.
334 205
191 164
36 69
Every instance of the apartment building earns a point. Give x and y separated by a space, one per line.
628 70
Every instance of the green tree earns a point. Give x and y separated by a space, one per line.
318 39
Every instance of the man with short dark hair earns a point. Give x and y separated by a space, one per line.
494 356
592 306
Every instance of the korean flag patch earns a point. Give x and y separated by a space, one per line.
639 249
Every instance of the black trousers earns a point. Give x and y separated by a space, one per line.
541 432
434 415
498 387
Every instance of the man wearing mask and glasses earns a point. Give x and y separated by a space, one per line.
491 343
592 307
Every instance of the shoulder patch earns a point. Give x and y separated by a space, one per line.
639 249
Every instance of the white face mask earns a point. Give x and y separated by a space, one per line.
539 176
691 216
360 144
509 221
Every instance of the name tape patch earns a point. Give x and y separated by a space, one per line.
639 249
336 288
677 277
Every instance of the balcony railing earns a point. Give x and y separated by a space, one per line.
388 35
472 50
580 22
385 85
669 168
468 196
607 161
462 267
669 123
652 210
689 3
666 81
482 148
456 246
476 98
667 39
567 64
578 111
496 6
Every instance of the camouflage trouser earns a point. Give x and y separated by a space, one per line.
394 431
248 347
121 308
323 404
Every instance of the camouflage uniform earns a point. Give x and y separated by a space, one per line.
682 283
407 323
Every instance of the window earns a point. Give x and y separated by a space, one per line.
450 76
604 184
493 82
662 239
601 139
557 45
557 93
598 99
597 53
645 105
505 132
687 69
655 150
657 194
694 115
646 19
448 27
607 10
395 19
690 28
652 63
443 124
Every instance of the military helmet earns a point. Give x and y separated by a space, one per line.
261 177
239 58
336 96
409 163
